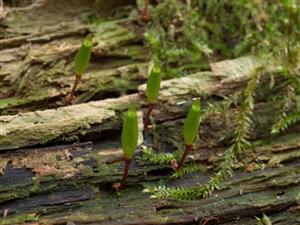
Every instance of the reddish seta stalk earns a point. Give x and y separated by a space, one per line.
120 185
70 97
177 166
147 117
145 17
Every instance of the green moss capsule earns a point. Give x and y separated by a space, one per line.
191 123
130 132
153 82
83 56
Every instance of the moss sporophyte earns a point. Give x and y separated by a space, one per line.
190 131
145 17
152 90
82 60
129 140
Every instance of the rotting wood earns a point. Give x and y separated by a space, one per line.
40 127
245 195
277 188
36 63
72 122
72 183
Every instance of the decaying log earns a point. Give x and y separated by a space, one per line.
57 163
53 179
40 127
36 58
36 183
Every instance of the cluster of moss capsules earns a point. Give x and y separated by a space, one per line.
130 124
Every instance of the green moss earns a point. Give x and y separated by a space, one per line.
158 158
186 38
86 171
51 74
14 102
18 192
36 184
79 217
18 219
52 124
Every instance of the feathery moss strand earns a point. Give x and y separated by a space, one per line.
158 158
187 169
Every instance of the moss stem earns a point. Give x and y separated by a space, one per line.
147 116
145 17
120 185
71 96
187 150
127 162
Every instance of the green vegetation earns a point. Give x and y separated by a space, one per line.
191 123
188 169
82 60
83 55
240 143
152 89
159 158
130 132
129 142
187 37
238 132
153 82
190 131
290 112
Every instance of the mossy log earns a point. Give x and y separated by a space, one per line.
37 55
80 120
58 163
72 183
